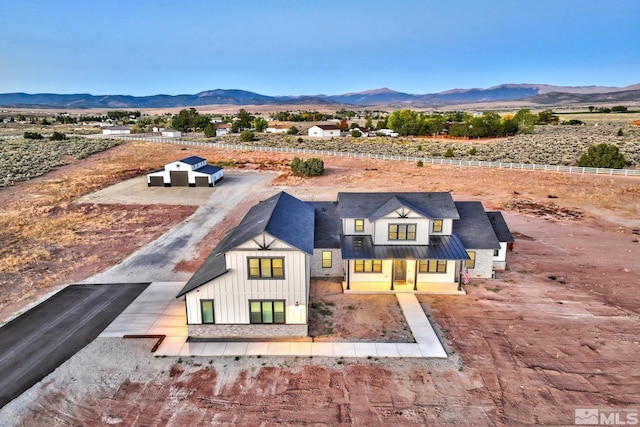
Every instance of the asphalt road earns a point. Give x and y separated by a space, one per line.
37 342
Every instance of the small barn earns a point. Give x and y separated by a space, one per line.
171 133
275 128
189 172
324 131
116 130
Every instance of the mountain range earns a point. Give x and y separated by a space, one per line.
527 93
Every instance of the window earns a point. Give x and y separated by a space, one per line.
326 259
266 268
496 252
432 266
358 225
471 263
266 311
368 266
437 225
402 232
206 308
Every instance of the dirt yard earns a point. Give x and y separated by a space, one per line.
556 332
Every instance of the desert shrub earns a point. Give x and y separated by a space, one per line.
311 167
449 152
247 136
32 135
420 163
356 133
573 122
58 136
293 130
473 151
620 132
602 156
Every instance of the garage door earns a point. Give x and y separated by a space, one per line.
179 179
156 181
202 181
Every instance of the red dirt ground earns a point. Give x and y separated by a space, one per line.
556 332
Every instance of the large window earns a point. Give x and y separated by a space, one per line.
266 268
206 308
402 232
471 263
326 259
267 311
358 225
432 266
368 266
437 226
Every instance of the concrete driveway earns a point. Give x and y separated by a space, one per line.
156 261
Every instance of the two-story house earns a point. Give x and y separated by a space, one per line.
256 282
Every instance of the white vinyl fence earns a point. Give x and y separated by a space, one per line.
424 160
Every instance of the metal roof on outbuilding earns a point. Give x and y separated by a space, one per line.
474 227
208 169
192 160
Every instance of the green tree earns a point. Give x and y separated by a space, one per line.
547 116
185 120
260 124
244 119
405 122
449 152
603 156
247 136
368 124
201 121
210 130
293 130
525 120
356 133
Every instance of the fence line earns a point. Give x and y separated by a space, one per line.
413 159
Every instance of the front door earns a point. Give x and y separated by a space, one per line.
399 271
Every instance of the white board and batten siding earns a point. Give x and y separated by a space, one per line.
232 291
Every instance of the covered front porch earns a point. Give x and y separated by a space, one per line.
435 268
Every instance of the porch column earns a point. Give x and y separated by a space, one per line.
348 273
415 275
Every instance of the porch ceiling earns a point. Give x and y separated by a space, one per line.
440 247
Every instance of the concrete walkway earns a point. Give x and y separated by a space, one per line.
157 312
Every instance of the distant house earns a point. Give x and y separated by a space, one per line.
222 129
157 129
256 282
324 131
274 128
116 130
189 172
171 133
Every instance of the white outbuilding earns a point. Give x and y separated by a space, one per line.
116 130
171 133
324 131
189 172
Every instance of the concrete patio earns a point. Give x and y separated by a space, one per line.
157 312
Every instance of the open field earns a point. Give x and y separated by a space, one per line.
556 332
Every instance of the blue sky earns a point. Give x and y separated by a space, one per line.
301 47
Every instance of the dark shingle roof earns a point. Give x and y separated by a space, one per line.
474 228
328 127
192 160
208 169
281 216
328 225
500 227
370 205
439 247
